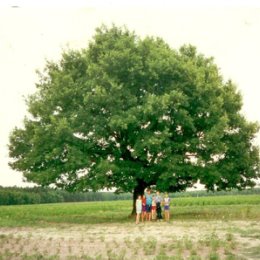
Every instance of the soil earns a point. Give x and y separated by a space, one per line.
130 241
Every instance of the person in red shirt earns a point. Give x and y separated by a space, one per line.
143 208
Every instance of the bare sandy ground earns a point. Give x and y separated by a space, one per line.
151 240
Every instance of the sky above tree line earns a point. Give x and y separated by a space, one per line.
30 35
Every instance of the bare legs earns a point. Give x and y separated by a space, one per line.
137 218
167 215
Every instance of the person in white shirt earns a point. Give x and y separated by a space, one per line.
166 203
138 205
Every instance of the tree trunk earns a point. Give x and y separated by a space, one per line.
138 190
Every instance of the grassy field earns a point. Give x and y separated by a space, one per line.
204 228
202 208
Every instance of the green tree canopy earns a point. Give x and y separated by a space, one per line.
128 113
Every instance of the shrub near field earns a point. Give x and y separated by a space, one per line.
209 208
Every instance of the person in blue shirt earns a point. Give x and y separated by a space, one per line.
149 200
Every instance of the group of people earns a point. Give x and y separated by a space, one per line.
149 207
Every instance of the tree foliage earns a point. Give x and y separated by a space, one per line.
128 113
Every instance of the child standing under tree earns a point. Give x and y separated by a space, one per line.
138 205
149 200
143 208
153 208
158 200
166 202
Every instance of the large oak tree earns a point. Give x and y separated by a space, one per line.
128 113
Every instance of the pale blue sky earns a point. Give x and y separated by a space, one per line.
30 35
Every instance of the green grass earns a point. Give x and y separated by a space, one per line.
203 208
217 200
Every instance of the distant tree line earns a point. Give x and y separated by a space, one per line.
204 193
37 195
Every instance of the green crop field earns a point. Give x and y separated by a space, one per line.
201 228
201 208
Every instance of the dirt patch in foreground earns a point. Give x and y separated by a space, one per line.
214 240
